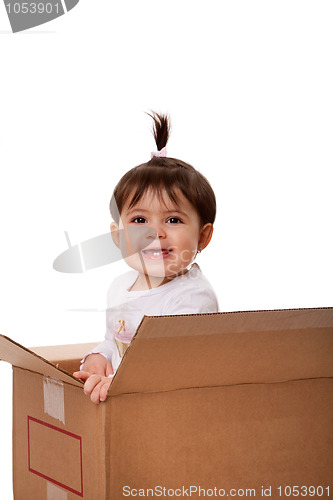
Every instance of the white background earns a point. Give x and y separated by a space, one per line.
248 85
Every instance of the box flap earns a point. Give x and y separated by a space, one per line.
204 350
67 352
20 356
67 357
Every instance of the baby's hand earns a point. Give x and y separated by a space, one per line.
95 385
94 372
96 363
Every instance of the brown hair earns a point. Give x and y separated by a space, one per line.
165 174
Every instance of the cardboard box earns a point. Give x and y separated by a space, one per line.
240 403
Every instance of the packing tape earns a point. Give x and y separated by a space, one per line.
55 493
54 400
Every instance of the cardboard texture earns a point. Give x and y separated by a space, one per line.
231 401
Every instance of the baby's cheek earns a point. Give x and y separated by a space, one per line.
172 264
134 262
186 256
172 257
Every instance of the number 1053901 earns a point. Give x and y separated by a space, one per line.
33 8
304 491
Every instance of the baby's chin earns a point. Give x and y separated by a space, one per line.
156 269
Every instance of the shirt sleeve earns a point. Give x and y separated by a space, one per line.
108 348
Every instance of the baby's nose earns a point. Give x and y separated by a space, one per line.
157 231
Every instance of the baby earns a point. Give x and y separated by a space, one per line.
163 213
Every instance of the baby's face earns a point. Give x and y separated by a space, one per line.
172 234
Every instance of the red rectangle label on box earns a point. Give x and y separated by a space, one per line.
56 455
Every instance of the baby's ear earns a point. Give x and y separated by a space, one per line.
115 233
205 236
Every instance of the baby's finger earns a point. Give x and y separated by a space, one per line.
103 393
91 383
95 394
82 375
109 369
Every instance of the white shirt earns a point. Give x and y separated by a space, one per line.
189 293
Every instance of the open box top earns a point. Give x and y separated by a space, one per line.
204 350
246 393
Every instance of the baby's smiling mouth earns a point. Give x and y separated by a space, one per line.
156 253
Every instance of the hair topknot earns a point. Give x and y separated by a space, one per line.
164 175
161 129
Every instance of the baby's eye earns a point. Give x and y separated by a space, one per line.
139 220
174 220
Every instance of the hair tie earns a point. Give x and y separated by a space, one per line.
159 154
